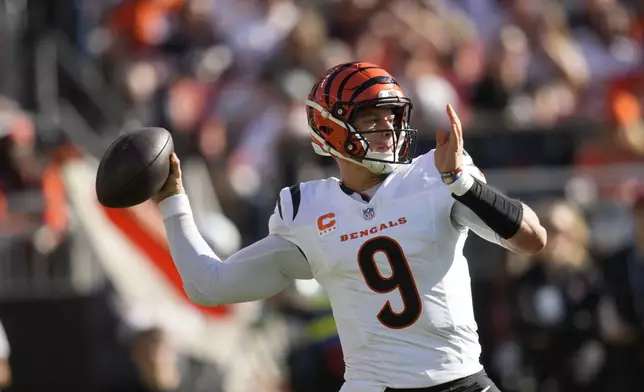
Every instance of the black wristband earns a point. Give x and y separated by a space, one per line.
501 213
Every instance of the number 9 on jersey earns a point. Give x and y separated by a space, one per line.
400 279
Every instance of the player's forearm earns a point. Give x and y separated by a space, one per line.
194 259
253 273
512 220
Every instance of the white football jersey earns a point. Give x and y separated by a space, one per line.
395 274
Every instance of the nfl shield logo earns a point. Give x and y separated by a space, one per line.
368 213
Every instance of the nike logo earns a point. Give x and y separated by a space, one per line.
486 389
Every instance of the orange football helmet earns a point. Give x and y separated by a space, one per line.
336 98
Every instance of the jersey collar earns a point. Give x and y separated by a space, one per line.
364 196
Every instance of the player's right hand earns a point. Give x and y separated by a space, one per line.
173 185
448 155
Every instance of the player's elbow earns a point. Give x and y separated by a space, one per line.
529 240
197 297
532 240
532 236
538 240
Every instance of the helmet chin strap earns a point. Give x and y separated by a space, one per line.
373 166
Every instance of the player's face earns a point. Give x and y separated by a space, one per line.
377 119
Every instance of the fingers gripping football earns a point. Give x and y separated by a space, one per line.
173 185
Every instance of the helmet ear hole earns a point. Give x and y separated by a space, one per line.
352 147
339 111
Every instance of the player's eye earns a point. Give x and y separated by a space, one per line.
369 122
388 119
375 122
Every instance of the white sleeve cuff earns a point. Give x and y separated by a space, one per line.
462 185
175 205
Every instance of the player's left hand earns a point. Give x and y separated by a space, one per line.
449 149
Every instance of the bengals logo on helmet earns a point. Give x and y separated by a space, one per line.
343 91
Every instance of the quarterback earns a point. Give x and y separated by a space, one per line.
385 240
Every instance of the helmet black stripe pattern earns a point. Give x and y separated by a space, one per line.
371 82
329 82
348 77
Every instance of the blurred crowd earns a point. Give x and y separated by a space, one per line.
570 318
228 77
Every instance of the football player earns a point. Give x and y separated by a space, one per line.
385 240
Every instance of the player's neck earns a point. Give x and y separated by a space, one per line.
358 178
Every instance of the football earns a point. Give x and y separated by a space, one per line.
134 167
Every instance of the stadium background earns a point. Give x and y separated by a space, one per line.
550 93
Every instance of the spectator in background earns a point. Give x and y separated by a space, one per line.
32 194
535 73
556 301
608 49
505 78
622 139
5 367
142 24
638 257
314 361
156 361
622 308
637 28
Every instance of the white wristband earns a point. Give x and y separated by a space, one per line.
462 185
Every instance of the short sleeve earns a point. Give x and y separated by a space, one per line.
286 210
277 225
